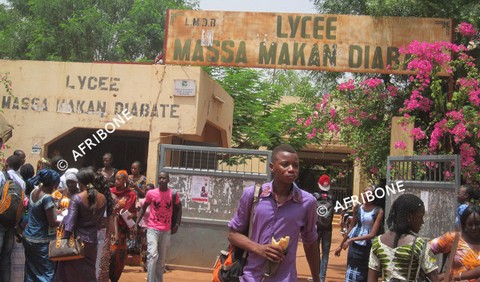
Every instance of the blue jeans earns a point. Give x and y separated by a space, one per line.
7 239
325 237
157 245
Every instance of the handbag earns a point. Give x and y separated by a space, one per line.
61 249
229 264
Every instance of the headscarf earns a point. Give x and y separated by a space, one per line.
46 176
71 174
123 173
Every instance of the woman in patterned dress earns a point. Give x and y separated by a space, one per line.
124 199
399 253
466 257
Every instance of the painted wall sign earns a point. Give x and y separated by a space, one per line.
342 43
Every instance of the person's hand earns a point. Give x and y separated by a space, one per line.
270 252
443 277
174 229
346 244
338 251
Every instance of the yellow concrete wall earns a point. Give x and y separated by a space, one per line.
44 92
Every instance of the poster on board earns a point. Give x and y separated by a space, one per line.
200 189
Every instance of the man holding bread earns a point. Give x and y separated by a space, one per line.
283 213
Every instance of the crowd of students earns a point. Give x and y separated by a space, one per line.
98 206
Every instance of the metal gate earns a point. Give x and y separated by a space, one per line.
435 179
210 181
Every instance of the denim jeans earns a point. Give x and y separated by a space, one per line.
157 245
325 237
7 239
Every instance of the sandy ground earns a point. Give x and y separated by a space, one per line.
335 271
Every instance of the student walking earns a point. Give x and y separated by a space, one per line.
160 225
282 210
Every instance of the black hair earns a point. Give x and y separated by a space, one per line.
19 153
27 171
403 206
474 208
473 192
54 161
86 177
14 162
282 148
150 185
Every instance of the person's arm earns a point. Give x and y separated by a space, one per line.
469 274
373 232
373 275
313 258
141 212
178 218
270 252
352 225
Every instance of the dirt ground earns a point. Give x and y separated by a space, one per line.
335 271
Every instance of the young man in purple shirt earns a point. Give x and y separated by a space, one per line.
283 210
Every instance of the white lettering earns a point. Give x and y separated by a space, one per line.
76 155
126 114
102 134
106 127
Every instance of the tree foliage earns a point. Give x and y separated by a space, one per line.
259 118
85 30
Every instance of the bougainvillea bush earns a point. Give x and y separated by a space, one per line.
441 100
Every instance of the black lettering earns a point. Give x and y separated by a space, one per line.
228 58
82 80
284 57
198 52
118 108
331 28
314 59
173 110
163 106
68 83
298 54
101 106
79 108
134 111
318 27
144 110
6 100
303 33
214 51
267 57
330 55
15 105
92 86
113 83
293 25
25 103
393 56
279 28
354 52
102 83
179 53
377 62
241 53
154 111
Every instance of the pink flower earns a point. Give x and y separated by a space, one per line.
332 113
400 145
347 86
466 29
372 82
417 133
300 121
459 132
312 134
332 127
308 121
374 169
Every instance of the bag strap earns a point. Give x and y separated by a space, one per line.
422 256
256 196
412 251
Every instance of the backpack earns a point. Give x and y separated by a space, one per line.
325 212
11 202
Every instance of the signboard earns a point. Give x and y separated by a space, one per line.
184 87
342 43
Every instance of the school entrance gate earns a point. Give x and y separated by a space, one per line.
210 181
435 179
